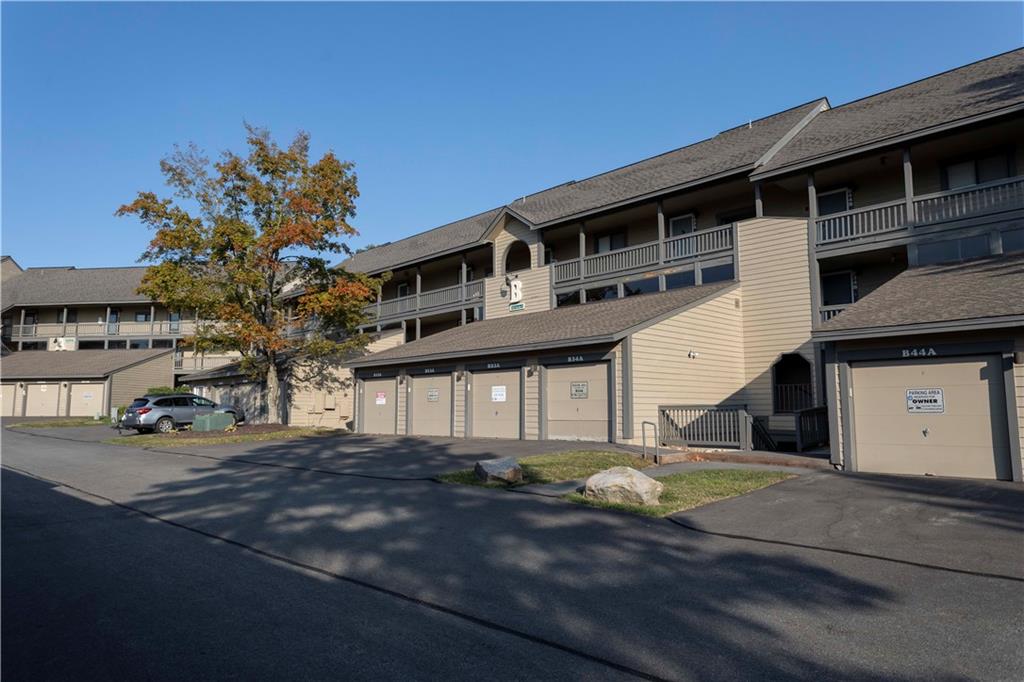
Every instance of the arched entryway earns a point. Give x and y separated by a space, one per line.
517 257
792 384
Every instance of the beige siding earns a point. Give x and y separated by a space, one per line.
401 398
663 372
837 443
620 414
132 382
536 293
531 402
773 268
459 404
513 231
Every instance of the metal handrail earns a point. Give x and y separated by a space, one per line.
643 438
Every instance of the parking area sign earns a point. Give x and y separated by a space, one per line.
925 401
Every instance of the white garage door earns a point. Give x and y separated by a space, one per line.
378 406
86 400
576 402
431 403
945 417
496 404
8 401
42 400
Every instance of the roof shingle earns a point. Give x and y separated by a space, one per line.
79 364
74 286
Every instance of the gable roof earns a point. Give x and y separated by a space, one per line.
451 237
988 87
78 364
74 286
600 322
986 291
731 151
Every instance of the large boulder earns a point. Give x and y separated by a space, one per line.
623 485
502 470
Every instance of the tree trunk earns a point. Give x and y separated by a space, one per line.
274 415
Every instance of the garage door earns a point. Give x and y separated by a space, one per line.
378 408
942 417
577 402
86 400
42 400
496 404
431 403
8 401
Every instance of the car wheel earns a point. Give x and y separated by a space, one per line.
165 425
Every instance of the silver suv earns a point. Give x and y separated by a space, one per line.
165 413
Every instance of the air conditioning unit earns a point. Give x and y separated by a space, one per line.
62 343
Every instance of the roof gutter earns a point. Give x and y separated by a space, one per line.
977 324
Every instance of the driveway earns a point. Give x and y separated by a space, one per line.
337 575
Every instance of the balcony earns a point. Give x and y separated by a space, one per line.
929 209
830 311
435 300
190 362
102 329
704 242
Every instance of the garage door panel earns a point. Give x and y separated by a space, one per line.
86 400
42 400
431 403
496 404
8 401
577 418
968 438
378 408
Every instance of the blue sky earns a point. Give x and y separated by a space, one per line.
446 109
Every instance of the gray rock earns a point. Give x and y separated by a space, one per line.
623 485
503 470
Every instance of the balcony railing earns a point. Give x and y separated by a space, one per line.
830 311
101 329
194 362
644 255
793 397
891 217
433 300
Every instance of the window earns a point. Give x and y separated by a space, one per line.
1013 240
142 316
717 273
975 171
117 345
163 343
567 298
610 242
182 402
835 201
402 289
683 224
164 402
203 402
31 317
72 316
90 345
640 286
837 288
33 345
736 216
678 280
953 250
175 322
139 402
137 344
602 293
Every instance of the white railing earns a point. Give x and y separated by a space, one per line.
435 298
440 297
190 361
830 311
862 222
475 290
92 329
990 197
705 426
700 243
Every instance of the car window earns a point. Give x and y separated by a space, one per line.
163 402
139 402
182 402
203 402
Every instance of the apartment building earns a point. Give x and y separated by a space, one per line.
825 274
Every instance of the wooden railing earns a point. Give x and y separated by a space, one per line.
705 426
811 428
830 311
793 397
452 296
700 243
87 329
990 197
862 222
190 361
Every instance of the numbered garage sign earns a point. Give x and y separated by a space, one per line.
578 390
925 401
382 398
433 395
498 394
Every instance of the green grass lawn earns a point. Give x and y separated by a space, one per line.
559 466
58 422
189 439
695 488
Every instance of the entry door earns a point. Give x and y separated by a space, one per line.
42 400
431 403
943 417
86 400
577 402
378 406
496 404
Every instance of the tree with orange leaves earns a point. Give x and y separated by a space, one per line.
243 243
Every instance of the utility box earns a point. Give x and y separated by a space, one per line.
218 421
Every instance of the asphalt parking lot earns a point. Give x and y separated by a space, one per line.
337 557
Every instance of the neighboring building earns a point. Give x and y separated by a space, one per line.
74 309
738 259
85 383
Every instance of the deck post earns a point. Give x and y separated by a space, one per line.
583 247
812 256
419 285
758 201
64 322
417 329
908 187
661 233
462 281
